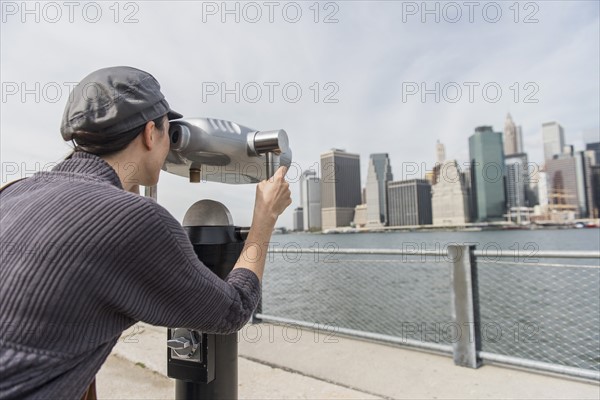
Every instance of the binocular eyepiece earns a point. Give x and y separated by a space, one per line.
208 149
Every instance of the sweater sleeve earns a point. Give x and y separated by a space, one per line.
162 281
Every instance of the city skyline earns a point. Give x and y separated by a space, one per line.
427 165
473 196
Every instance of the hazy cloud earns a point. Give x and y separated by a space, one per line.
370 55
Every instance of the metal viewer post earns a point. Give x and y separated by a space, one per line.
205 365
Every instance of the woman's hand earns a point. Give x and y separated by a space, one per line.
273 196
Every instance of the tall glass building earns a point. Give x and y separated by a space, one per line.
486 155
517 180
379 173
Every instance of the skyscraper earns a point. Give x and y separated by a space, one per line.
595 181
468 180
298 223
379 173
513 140
487 174
532 189
409 202
310 198
340 188
517 180
440 152
554 139
595 149
569 184
542 190
449 201
520 148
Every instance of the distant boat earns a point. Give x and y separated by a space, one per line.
341 230
471 229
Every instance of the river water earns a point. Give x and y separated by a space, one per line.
540 309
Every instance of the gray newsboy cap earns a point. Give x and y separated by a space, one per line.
113 100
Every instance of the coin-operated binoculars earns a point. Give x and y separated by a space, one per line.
206 149
203 149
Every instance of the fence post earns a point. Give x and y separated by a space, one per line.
465 305
255 319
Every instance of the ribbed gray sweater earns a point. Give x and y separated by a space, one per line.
81 260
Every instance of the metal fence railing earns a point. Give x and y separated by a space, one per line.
504 307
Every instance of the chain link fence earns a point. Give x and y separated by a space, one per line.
381 294
543 310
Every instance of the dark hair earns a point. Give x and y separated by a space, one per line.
100 143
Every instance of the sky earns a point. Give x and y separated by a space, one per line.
367 77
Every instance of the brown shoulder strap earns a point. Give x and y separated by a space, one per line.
90 393
10 183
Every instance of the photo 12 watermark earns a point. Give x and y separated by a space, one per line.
253 12
289 333
453 12
270 92
491 172
53 12
471 92
453 332
42 172
494 252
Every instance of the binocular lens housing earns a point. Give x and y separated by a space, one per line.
218 150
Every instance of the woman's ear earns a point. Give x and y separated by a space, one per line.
148 136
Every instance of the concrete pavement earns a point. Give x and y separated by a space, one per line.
279 362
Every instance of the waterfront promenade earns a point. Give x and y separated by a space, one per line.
279 363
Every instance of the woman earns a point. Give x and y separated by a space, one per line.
84 257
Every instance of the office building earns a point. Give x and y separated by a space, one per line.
298 219
409 202
516 178
569 184
360 216
513 137
467 178
532 195
449 201
595 169
554 139
593 148
340 188
379 173
486 155
542 190
310 198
